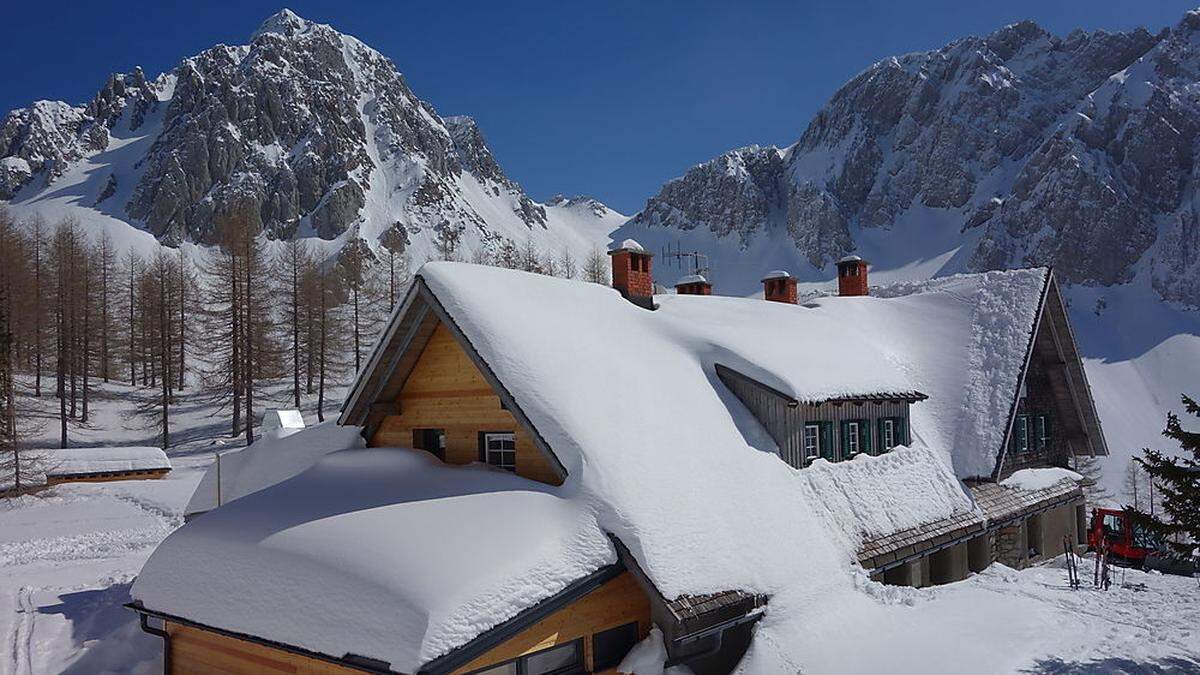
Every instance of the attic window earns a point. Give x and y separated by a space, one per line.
500 450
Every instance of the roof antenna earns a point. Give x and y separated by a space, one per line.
697 261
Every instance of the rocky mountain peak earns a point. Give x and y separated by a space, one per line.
1073 151
308 131
285 22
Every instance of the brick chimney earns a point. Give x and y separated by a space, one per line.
693 284
779 286
632 273
852 276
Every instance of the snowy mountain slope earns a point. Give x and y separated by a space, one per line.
311 131
1014 149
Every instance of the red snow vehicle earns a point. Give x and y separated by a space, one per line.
1113 531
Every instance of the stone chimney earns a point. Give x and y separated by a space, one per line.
852 276
632 273
779 286
693 284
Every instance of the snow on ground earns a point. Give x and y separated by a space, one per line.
1005 621
69 554
67 558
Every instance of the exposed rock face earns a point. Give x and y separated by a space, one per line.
308 129
1076 151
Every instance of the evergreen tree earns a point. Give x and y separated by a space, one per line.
1177 478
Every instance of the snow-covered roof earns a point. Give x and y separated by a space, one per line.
875 496
630 245
81 461
278 454
692 279
776 274
850 258
657 452
401 558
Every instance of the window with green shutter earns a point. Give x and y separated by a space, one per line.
867 446
1042 431
827 449
1022 433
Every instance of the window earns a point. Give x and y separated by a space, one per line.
812 441
431 440
500 450
610 646
1022 433
889 434
852 439
1042 431
1114 527
564 659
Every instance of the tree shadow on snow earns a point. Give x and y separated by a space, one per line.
113 640
1170 665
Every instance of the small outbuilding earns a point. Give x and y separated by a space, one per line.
71 465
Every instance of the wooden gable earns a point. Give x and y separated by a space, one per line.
445 391
424 374
1054 378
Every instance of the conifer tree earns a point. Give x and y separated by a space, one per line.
1177 478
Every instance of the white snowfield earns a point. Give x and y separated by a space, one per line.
82 461
387 553
279 453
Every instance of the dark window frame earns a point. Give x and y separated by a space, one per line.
610 662
580 666
484 452
424 433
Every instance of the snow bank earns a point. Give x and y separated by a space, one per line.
381 552
78 461
647 657
282 419
1038 479
874 496
278 454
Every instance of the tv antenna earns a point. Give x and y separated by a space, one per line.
696 262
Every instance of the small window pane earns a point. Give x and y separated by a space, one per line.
812 441
889 434
563 658
852 438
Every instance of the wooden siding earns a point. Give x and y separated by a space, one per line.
784 418
444 390
108 476
616 603
198 651
844 412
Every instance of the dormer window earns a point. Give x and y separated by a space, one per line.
889 434
853 441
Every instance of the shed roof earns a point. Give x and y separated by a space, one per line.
84 461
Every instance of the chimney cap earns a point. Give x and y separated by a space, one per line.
851 259
632 246
692 279
777 274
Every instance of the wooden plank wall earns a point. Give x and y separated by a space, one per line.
446 391
195 650
107 477
616 603
839 412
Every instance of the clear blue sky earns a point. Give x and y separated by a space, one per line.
606 98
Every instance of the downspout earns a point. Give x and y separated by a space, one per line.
144 620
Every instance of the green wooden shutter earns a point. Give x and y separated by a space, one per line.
843 440
881 437
900 430
827 441
1039 431
864 436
